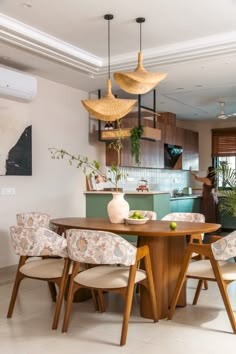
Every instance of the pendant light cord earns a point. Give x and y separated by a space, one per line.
140 20
109 51
140 37
109 17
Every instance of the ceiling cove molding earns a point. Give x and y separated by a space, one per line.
28 38
23 34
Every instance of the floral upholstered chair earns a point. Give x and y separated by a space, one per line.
35 241
192 217
215 268
106 250
33 219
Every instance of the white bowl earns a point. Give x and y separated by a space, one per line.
136 221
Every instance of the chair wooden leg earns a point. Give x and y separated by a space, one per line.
72 289
101 301
18 279
61 286
198 291
223 290
128 304
95 300
205 282
53 291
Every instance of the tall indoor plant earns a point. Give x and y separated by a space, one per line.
228 202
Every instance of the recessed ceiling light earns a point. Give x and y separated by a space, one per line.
5 58
203 67
180 88
27 5
198 85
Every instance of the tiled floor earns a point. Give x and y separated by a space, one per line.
197 329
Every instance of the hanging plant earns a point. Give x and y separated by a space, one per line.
135 135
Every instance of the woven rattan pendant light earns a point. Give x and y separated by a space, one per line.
109 108
139 81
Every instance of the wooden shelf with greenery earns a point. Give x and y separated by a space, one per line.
149 133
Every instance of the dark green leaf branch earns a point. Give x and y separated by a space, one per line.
89 168
136 134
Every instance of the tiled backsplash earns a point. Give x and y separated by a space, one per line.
158 179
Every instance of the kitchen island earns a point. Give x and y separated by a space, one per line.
96 202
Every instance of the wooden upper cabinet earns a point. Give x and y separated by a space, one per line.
152 152
190 153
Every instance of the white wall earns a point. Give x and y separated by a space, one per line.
58 120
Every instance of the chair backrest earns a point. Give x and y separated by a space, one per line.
99 247
195 217
152 215
29 241
33 219
225 248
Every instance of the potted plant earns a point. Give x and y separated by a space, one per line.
135 136
91 168
117 208
228 203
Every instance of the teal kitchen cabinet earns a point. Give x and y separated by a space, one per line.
96 203
185 205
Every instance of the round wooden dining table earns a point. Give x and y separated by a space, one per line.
166 247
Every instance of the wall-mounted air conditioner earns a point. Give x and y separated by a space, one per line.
17 86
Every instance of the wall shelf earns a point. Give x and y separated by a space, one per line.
149 133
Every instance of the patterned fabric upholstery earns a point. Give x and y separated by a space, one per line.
33 219
195 217
29 241
99 247
151 215
225 248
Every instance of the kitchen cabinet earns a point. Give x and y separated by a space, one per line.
96 203
152 152
185 204
190 156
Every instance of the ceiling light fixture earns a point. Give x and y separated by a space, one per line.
27 5
109 108
139 81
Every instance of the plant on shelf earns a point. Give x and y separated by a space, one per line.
135 136
228 202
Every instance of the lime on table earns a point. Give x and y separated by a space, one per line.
172 225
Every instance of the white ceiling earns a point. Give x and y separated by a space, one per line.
66 41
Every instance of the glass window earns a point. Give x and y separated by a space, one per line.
221 160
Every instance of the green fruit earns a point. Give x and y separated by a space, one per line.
172 225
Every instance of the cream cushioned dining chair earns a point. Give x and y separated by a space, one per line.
106 250
44 243
215 268
192 217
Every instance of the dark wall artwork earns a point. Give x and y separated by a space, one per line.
19 161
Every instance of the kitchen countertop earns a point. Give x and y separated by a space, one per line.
193 196
134 192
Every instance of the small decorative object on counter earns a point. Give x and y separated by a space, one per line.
142 185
